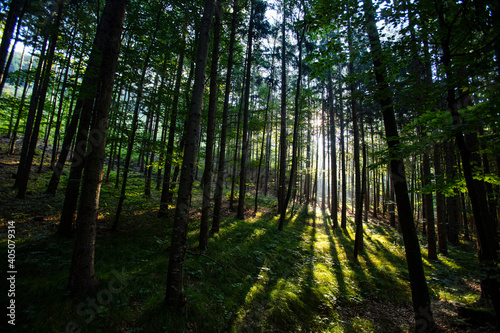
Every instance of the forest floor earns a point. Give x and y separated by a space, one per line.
251 279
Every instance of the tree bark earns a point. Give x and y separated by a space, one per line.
424 320
333 140
38 102
133 130
343 213
171 131
246 100
108 39
221 166
468 145
283 144
212 107
440 205
175 298
8 30
295 144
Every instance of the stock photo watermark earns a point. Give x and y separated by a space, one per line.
92 306
11 272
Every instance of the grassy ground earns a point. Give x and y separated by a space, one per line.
252 278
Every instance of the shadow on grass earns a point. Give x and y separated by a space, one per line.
252 279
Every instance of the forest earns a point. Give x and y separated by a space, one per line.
250 165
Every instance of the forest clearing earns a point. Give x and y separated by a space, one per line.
250 165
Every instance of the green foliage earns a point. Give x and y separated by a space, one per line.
252 278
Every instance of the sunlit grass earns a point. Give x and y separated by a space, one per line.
252 278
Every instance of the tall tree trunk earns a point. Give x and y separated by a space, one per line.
5 73
212 107
424 320
452 202
175 297
171 132
21 107
343 213
133 130
265 137
38 102
429 206
358 196
221 166
283 144
8 30
468 145
440 204
246 100
80 119
295 144
108 39
333 140
147 187
55 145
235 153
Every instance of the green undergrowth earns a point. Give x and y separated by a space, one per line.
251 279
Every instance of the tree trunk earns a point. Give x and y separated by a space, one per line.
175 298
343 213
212 107
133 130
265 137
295 144
108 39
429 206
358 195
283 144
246 100
440 204
424 320
333 140
20 110
468 145
8 30
80 119
221 166
38 102
171 131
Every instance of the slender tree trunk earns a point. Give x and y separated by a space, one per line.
147 187
283 144
8 30
265 137
440 204
223 135
358 195
171 132
12 111
80 119
424 320
175 297
133 130
212 107
468 146
235 153
295 144
429 206
108 38
5 74
21 107
123 124
343 214
38 102
246 100
333 140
